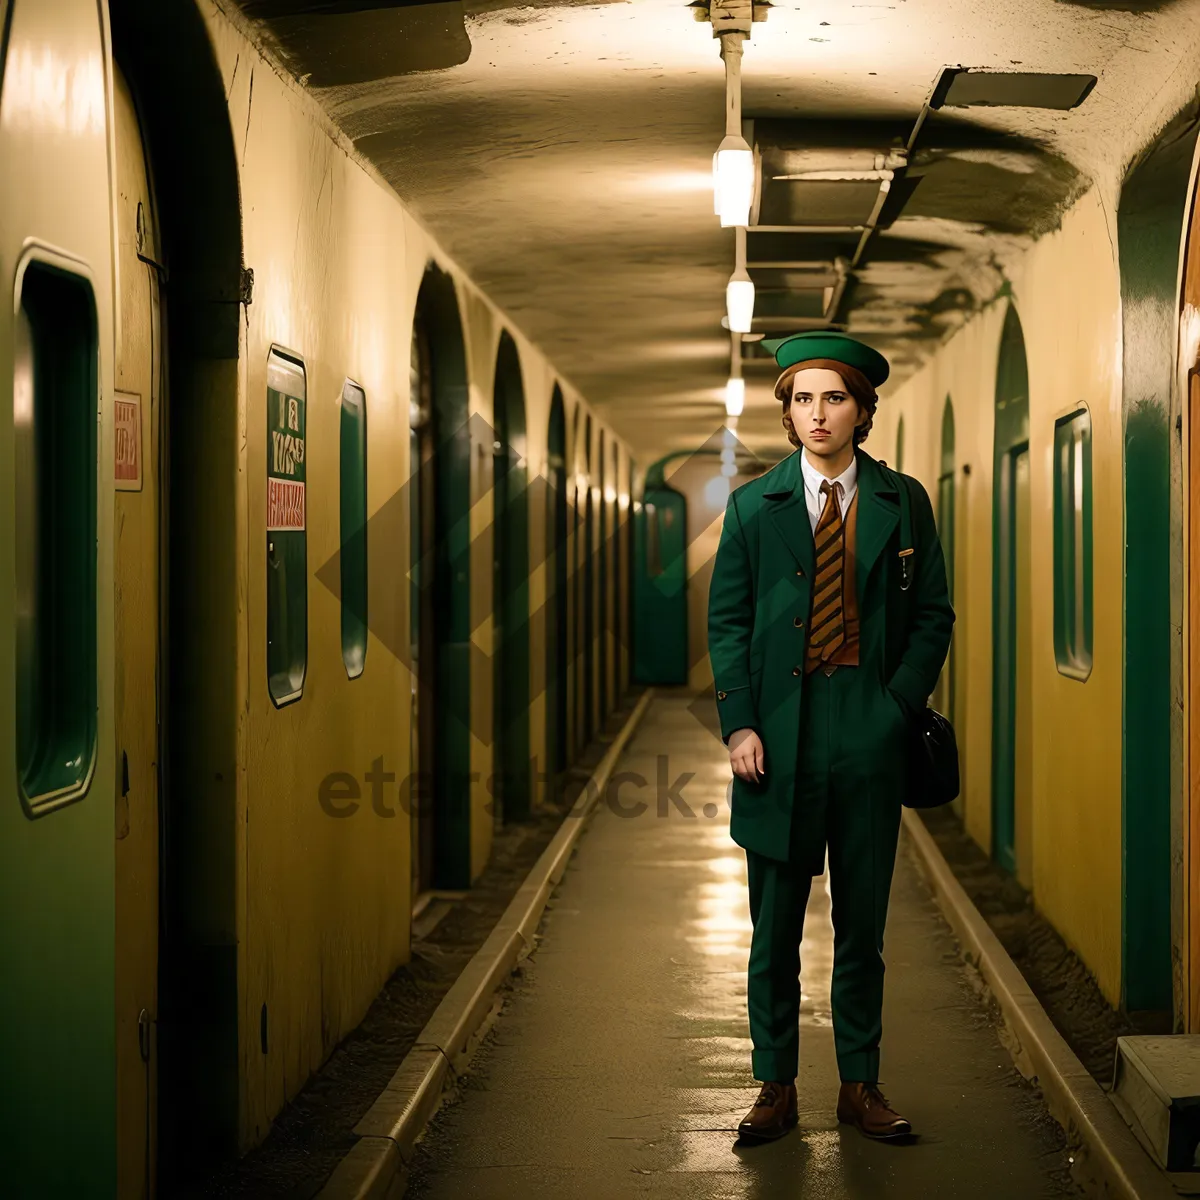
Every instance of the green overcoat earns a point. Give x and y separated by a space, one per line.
759 603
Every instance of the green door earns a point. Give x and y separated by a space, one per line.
448 809
1010 585
556 623
589 597
1154 210
660 623
602 581
945 525
510 666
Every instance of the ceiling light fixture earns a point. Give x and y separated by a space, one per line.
739 292
733 163
735 388
735 396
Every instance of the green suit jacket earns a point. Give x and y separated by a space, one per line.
758 608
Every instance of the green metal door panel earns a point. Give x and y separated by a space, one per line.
1146 807
602 618
557 637
452 622
511 667
1011 440
618 623
1009 578
1151 215
945 527
452 768
589 617
510 783
660 622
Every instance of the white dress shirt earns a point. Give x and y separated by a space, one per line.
812 487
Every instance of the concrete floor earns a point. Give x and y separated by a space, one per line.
620 1064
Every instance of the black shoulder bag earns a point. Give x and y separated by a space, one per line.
933 777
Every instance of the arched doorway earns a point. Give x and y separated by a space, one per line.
618 570
441 591
510 523
589 591
177 909
630 570
946 527
578 737
422 463
1160 887
602 573
659 581
1011 610
556 625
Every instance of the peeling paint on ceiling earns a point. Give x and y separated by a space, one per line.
562 154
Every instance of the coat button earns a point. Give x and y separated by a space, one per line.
799 572
795 670
797 622
720 695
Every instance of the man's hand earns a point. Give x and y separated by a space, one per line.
746 755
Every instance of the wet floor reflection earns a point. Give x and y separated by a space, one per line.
718 930
621 1064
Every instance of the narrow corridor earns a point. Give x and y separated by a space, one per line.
619 1065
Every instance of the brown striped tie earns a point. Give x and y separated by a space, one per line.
826 629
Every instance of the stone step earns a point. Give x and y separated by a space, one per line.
1156 1087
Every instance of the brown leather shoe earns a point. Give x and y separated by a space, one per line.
773 1113
864 1105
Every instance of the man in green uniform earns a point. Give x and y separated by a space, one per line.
823 650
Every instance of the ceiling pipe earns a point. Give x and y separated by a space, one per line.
733 164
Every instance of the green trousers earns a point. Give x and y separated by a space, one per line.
860 816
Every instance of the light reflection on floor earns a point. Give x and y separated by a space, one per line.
717 934
621 1065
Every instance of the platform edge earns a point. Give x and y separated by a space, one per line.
1075 1100
376 1166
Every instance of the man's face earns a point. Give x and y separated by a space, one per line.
823 412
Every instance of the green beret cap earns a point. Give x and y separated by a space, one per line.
823 343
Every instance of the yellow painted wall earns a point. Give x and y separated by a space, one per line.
1073 345
323 911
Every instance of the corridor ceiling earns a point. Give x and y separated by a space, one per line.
561 152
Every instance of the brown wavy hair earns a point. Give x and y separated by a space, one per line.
857 384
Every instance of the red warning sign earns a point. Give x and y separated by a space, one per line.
127 441
285 504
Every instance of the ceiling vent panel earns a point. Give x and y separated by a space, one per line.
783 248
809 304
798 278
962 87
842 203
